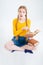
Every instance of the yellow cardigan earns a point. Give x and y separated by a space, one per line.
20 25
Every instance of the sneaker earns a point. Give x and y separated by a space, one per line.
28 51
12 51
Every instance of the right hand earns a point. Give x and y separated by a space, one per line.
25 28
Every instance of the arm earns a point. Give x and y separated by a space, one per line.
27 28
16 32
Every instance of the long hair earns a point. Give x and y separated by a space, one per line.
25 15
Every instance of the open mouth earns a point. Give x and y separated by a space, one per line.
21 16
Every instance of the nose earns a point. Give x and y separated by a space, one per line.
21 13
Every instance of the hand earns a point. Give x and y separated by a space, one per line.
32 34
29 34
25 28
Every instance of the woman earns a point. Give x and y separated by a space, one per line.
21 25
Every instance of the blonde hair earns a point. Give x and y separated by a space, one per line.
25 15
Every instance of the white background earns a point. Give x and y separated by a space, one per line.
8 11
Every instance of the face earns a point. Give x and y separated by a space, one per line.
22 13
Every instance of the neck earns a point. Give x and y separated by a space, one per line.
22 20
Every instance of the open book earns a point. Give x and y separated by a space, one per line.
32 34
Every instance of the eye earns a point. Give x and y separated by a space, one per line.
20 11
23 11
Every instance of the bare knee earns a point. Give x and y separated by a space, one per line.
8 45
